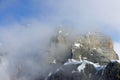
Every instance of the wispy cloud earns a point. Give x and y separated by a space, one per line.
117 48
30 34
23 46
99 15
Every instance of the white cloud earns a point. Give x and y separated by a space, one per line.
117 48
92 13
86 15
23 45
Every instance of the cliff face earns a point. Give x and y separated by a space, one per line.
94 47
89 57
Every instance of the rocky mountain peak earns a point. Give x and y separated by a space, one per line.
86 70
92 46
85 57
95 47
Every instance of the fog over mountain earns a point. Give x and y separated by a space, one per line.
59 39
31 52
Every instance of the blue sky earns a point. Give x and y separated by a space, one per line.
16 10
101 15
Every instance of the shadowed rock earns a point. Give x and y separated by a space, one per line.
89 71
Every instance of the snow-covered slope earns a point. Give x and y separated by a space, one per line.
86 70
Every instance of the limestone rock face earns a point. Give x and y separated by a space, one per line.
89 57
94 47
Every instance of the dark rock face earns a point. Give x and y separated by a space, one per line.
75 71
112 71
90 72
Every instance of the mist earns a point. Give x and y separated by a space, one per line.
28 53
25 46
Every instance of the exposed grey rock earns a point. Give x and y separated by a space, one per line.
95 47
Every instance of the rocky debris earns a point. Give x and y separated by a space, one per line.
95 47
86 71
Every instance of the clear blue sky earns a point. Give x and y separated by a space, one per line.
16 10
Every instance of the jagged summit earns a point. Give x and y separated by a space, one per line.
92 46
86 70
95 47
81 57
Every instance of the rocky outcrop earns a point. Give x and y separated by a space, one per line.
94 47
89 54
112 71
75 71
87 71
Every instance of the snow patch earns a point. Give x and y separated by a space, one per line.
94 48
84 58
82 62
94 64
54 61
73 50
81 67
91 54
72 61
49 74
78 45
115 61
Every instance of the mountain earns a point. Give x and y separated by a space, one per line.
82 57
95 47
85 70
92 46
